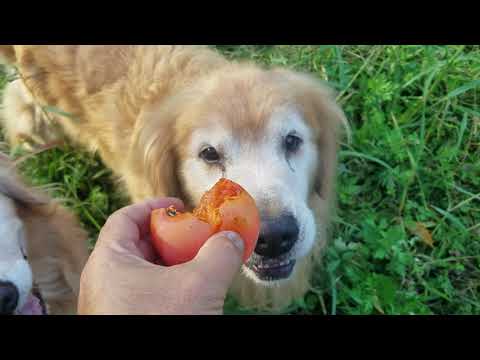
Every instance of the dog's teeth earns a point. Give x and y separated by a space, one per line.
268 264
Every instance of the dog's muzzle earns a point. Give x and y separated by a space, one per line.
9 297
272 259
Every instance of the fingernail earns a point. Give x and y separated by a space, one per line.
235 239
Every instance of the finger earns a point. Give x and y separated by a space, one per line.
140 213
127 229
146 247
220 258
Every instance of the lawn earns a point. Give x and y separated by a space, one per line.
406 239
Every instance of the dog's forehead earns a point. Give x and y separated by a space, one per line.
280 122
287 119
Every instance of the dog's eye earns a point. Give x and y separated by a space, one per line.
292 143
210 155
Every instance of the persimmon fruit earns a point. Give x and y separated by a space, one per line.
178 236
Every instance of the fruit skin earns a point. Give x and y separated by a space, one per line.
178 237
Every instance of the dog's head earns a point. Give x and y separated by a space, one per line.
272 131
15 272
16 278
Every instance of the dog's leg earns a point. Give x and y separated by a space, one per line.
24 122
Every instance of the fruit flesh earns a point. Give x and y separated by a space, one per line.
210 203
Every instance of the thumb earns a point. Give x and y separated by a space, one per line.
220 258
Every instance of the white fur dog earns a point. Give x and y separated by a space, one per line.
42 250
15 274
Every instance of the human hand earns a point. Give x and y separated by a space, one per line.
122 275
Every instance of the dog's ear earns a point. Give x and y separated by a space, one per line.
327 120
330 120
153 156
13 186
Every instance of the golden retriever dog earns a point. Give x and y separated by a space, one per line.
43 250
172 120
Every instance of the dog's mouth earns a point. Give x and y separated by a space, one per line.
34 305
267 269
31 307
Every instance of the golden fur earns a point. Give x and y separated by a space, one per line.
139 105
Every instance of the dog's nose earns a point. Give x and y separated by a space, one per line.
277 236
8 298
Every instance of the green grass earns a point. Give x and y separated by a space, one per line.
406 239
